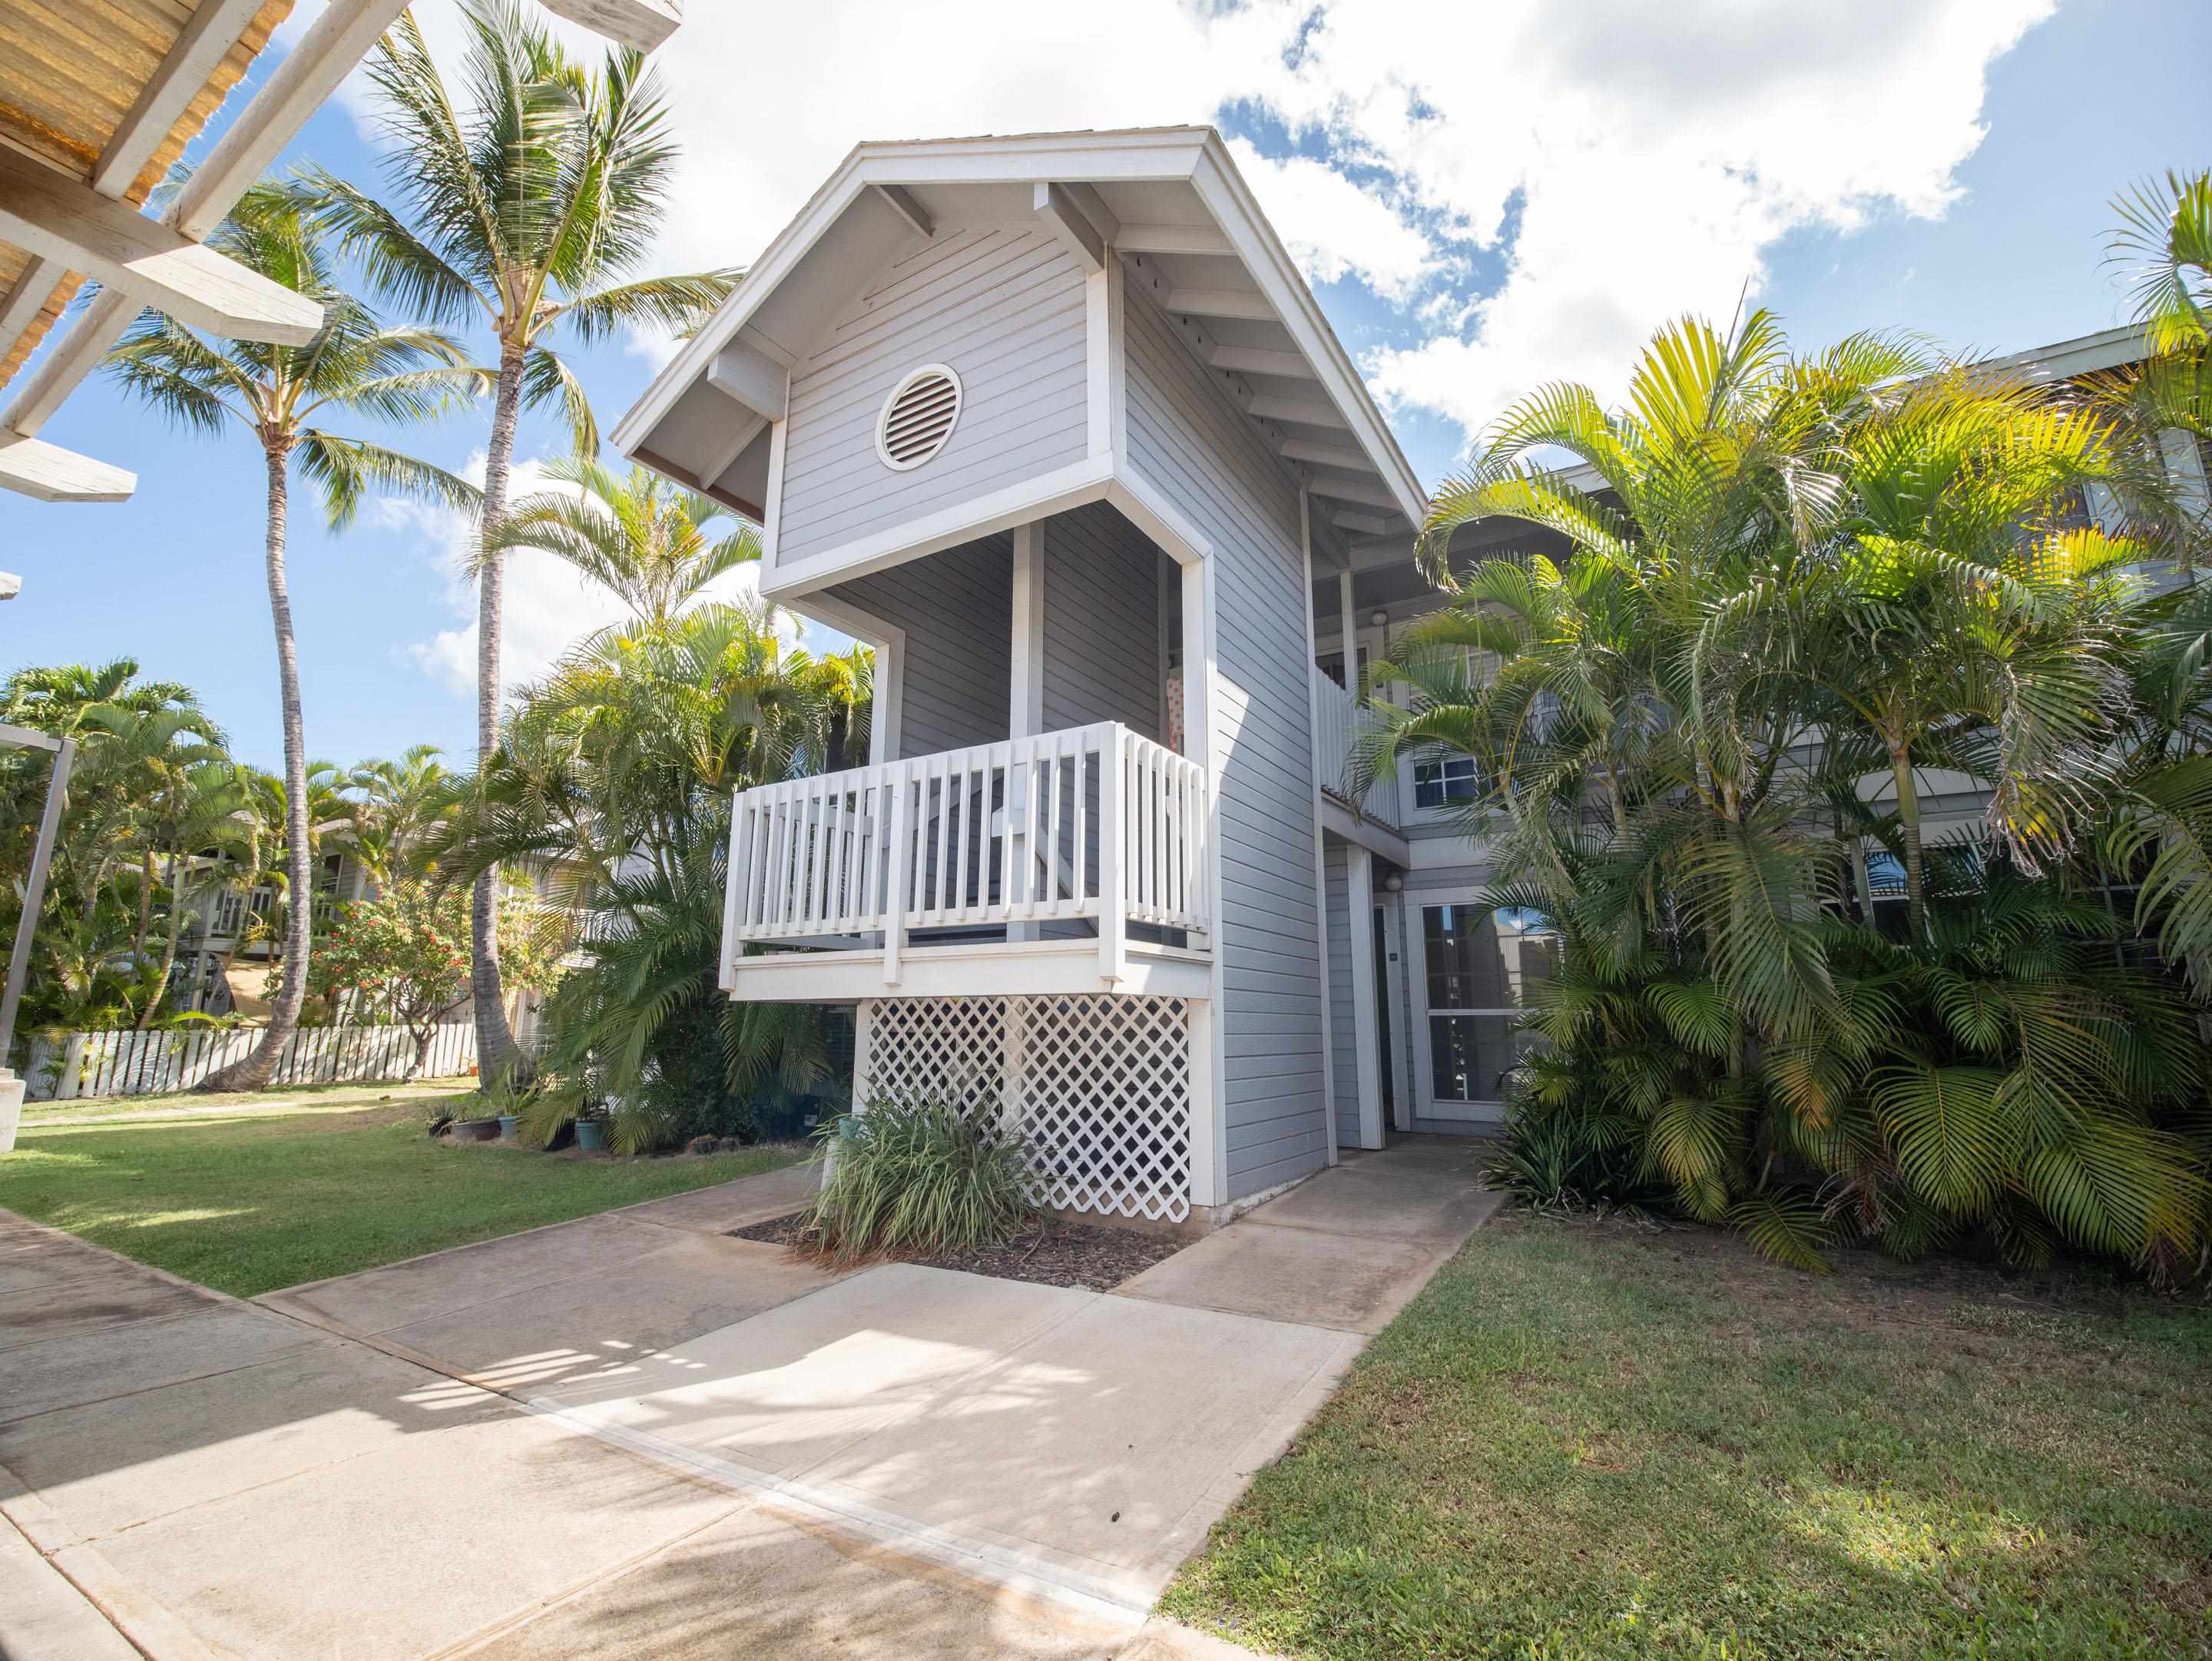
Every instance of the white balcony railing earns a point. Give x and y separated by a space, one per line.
1094 823
1338 723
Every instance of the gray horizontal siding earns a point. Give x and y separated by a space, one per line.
957 610
1102 623
1005 310
1204 455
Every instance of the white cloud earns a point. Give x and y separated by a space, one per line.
549 606
1632 161
1334 226
1624 162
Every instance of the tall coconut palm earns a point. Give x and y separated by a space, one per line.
638 536
528 204
356 365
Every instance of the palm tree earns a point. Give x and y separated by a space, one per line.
614 782
399 802
2165 240
355 365
640 536
532 199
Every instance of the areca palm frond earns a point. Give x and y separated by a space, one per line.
2164 240
638 536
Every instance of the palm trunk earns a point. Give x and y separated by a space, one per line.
255 1071
494 1041
1908 819
177 869
145 902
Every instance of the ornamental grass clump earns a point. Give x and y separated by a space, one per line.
911 1179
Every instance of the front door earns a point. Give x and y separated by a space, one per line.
1475 961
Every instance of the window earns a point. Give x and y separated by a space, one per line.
1439 783
1479 963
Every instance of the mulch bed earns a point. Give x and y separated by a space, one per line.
1053 1254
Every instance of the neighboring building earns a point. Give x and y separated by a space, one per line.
1053 424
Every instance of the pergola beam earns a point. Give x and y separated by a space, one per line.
35 468
206 40
640 24
55 218
334 43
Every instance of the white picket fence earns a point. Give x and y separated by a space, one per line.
126 1063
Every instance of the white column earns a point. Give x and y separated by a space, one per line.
1209 1181
1209 1133
1347 630
863 1024
1321 855
1025 703
1359 869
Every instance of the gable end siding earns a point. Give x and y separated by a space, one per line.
1200 451
1004 309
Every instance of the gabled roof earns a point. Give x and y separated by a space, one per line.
1167 199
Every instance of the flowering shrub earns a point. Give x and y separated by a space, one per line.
404 958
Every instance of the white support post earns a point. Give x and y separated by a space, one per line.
1347 631
1025 712
1207 1187
1359 890
902 875
864 1021
1209 1133
1011 1101
1321 852
1112 857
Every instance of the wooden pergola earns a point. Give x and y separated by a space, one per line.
98 99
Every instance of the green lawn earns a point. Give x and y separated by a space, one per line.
1610 1440
251 1203
309 1095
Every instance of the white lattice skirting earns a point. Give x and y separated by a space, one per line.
1098 1085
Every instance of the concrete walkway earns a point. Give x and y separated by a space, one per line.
632 1436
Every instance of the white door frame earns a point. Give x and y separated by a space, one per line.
1401 1033
1423 1059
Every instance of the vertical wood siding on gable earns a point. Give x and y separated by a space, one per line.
1343 1016
1005 310
1102 633
957 610
1200 451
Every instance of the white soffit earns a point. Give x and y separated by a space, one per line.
1169 202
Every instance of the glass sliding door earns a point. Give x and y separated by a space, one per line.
1476 963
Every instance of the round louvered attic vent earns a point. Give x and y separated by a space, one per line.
918 416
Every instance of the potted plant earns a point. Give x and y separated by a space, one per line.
499 1109
592 1128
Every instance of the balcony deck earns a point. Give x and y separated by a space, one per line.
1067 863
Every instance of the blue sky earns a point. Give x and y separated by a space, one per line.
1940 167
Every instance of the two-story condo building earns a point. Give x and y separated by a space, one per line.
1054 425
